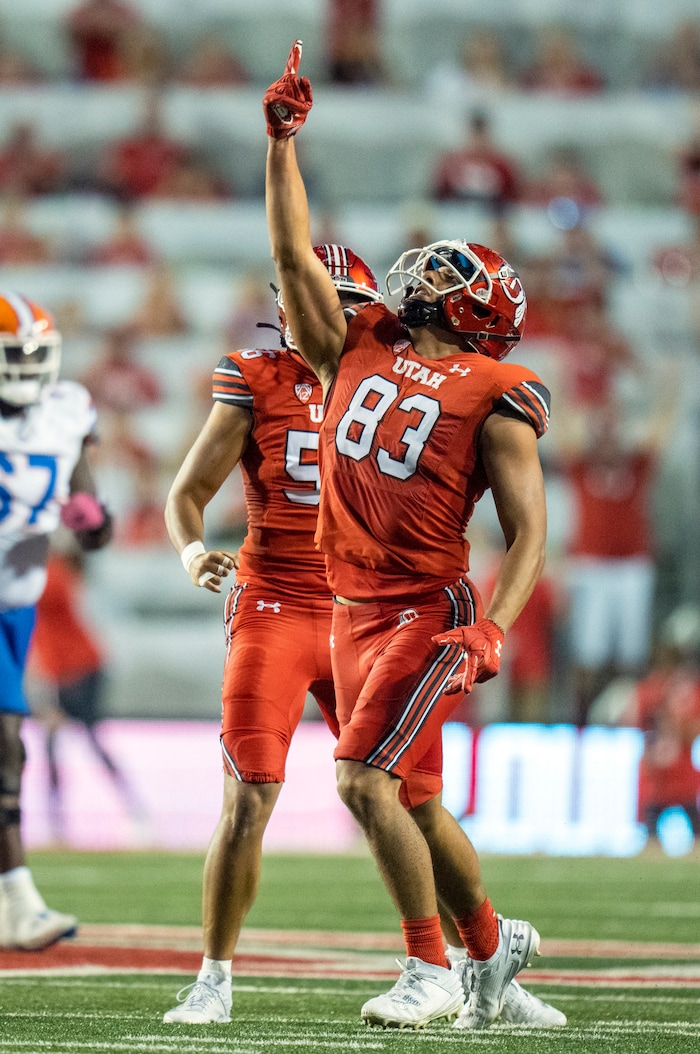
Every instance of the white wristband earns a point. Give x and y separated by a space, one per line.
189 552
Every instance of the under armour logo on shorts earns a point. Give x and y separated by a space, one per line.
276 606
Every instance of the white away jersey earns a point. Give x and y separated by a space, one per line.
38 453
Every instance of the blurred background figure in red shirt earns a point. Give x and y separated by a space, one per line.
68 666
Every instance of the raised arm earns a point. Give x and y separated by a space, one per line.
311 301
211 459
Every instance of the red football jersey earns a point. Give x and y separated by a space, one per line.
399 461
613 500
279 466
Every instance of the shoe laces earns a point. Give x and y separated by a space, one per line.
409 984
198 995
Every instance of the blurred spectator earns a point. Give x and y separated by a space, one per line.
139 164
126 246
160 313
16 69
675 65
146 59
564 179
666 706
68 660
558 66
480 70
191 179
610 465
19 245
100 33
254 304
141 523
126 464
71 321
679 265
582 269
354 52
543 309
212 64
595 354
479 172
26 167
116 380
689 175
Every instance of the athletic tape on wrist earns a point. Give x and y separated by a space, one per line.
189 552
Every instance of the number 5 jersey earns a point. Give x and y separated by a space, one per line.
279 465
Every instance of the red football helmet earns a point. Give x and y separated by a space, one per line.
350 274
30 350
484 300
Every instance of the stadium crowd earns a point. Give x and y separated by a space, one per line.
144 233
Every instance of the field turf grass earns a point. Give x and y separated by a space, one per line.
627 1002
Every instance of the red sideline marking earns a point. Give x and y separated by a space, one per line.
190 938
67 956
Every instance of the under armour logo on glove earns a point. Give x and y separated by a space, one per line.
482 644
287 102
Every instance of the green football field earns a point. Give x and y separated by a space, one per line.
620 956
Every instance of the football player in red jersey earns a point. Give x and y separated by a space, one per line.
420 418
267 412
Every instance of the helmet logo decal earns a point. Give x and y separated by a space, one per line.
512 286
513 289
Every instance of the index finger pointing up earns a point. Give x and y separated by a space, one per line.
294 58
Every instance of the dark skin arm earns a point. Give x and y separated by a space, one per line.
211 459
83 482
508 449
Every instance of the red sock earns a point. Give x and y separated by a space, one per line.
424 940
479 932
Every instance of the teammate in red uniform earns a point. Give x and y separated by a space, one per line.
266 415
420 418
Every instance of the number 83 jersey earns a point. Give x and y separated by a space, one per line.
399 460
39 450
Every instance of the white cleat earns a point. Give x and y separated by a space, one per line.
206 1002
423 993
523 1008
486 982
38 930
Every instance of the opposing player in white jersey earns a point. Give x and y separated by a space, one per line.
45 479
